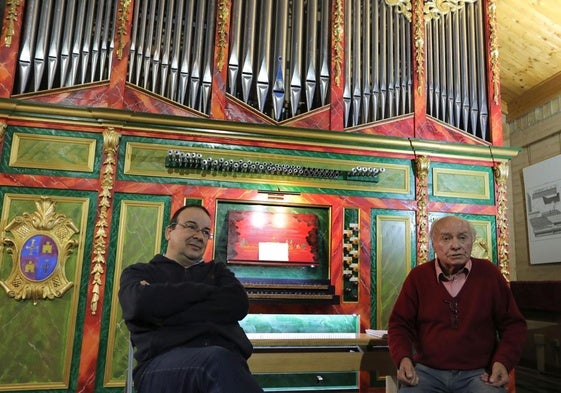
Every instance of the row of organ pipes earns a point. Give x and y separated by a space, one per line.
279 59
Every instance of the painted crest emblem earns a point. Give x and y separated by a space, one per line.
38 257
40 245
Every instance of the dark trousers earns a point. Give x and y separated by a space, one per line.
198 370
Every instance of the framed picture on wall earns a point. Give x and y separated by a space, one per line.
542 188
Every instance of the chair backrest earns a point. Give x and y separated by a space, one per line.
129 388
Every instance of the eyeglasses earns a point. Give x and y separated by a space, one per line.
453 306
192 229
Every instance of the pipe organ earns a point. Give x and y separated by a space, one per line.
281 54
362 119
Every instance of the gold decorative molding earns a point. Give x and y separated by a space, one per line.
40 245
3 126
494 51
403 7
110 144
122 19
419 29
11 17
501 171
422 164
434 9
338 33
223 16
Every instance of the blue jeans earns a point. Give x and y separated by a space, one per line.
449 381
198 370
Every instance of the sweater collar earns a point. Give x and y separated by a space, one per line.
163 258
440 276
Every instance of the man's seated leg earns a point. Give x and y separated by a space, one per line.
430 380
476 385
198 370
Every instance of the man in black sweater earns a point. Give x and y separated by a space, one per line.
183 315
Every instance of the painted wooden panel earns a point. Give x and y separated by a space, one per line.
55 150
464 184
148 160
140 220
392 256
40 340
485 244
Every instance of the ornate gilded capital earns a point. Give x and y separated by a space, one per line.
39 247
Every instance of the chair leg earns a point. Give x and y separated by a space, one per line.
130 365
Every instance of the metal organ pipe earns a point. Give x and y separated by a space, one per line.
296 60
311 53
263 55
235 37
280 55
347 98
249 37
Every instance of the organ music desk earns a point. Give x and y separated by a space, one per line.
303 352
319 352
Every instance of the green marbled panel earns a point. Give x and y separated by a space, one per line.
396 179
140 236
393 235
52 152
462 184
40 342
304 323
485 244
148 160
301 323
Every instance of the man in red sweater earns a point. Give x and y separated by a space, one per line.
455 326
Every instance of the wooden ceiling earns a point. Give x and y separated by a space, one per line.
529 35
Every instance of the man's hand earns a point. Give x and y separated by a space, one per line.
144 282
499 375
406 372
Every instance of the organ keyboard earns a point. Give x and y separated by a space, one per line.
292 291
